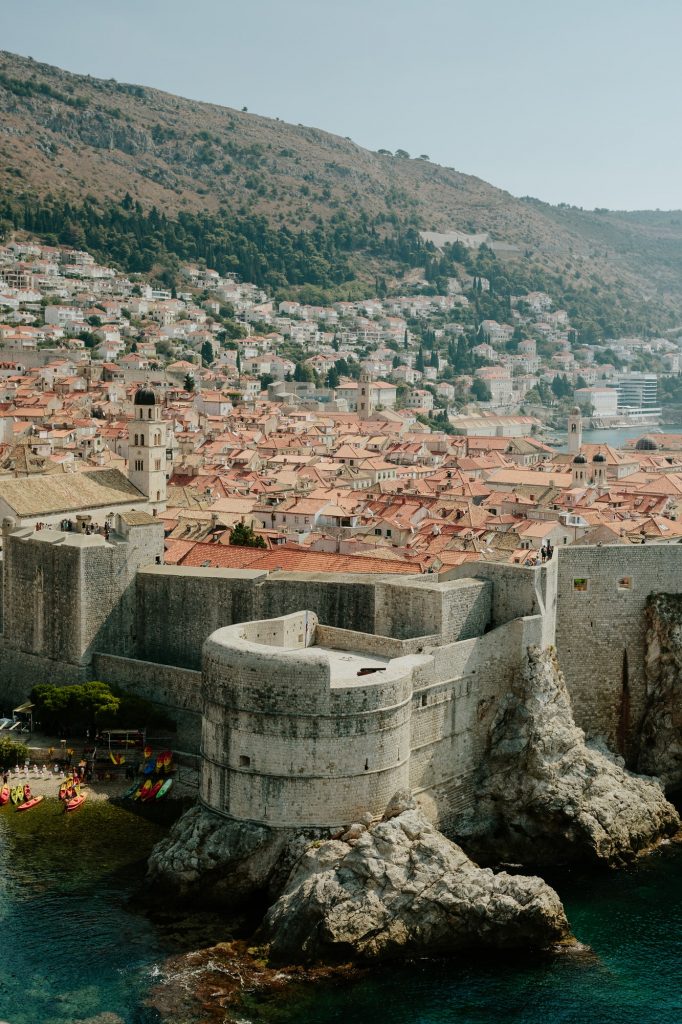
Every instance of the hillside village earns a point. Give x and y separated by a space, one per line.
368 436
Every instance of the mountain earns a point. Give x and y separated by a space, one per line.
154 178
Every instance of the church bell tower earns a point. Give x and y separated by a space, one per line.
575 431
147 448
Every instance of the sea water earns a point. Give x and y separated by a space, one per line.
74 946
71 944
632 974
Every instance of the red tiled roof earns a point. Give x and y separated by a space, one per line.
290 558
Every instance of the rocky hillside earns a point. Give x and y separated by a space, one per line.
79 138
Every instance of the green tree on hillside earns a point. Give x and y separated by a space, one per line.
207 353
480 390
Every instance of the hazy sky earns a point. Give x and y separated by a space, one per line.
568 101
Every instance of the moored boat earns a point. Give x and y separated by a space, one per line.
31 802
75 802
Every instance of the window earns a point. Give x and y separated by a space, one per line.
580 585
136 441
425 700
149 414
139 465
625 583
157 464
388 533
377 532
244 761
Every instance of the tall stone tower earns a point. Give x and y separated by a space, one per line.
575 431
147 448
364 404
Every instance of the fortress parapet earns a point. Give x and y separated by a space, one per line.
298 731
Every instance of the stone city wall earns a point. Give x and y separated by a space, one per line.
452 713
600 632
175 691
178 608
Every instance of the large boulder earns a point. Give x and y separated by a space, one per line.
402 888
223 862
546 797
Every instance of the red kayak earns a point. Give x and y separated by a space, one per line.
75 803
30 803
151 793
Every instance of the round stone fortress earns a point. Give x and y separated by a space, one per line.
297 732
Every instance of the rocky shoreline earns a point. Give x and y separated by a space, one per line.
382 891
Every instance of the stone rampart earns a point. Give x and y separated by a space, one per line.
175 691
298 736
601 633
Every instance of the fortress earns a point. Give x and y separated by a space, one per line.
311 697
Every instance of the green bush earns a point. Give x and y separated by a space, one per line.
93 706
11 752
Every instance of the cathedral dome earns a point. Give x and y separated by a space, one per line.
145 396
579 460
599 457
646 444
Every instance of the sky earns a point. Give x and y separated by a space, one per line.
575 102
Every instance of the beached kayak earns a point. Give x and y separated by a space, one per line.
143 791
30 803
75 802
4 795
164 789
17 794
153 791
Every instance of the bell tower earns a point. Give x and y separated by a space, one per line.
147 448
575 431
364 403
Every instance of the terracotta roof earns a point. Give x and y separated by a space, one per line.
290 558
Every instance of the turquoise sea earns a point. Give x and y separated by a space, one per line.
73 947
632 920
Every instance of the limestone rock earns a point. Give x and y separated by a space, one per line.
220 860
402 888
399 802
661 733
547 797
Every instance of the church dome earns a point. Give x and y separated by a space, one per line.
599 457
145 396
575 411
646 444
579 460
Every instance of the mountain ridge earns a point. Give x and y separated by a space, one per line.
75 137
